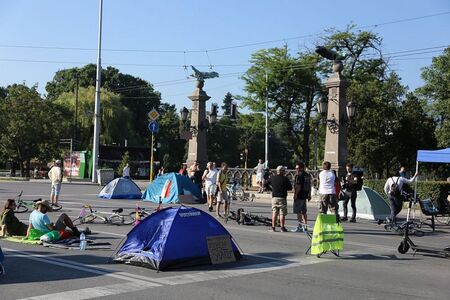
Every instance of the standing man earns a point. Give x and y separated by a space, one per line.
394 189
351 183
327 190
302 193
126 171
222 181
259 175
55 175
280 186
403 173
210 179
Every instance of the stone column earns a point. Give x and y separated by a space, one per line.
336 149
197 143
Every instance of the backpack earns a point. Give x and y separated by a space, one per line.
395 188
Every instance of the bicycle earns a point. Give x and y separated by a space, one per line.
235 192
23 206
142 213
115 218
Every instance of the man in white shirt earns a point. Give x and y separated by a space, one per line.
259 175
55 175
394 189
327 191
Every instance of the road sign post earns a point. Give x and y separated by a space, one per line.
153 127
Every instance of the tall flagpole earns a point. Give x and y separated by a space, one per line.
97 98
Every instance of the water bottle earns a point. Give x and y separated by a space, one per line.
82 242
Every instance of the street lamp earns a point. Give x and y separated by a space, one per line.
333 123
188 131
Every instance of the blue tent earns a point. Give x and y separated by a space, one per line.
174 237
172 188
121 188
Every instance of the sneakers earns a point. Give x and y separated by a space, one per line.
272 229
344 219
283 229
352 220
210 208
298 229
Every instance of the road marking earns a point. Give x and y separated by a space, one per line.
94 292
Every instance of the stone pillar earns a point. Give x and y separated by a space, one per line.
336 149
197 143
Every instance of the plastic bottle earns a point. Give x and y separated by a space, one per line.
82 242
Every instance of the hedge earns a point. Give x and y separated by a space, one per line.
425 189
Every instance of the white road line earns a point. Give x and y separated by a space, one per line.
94 292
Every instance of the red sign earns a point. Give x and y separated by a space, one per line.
72 166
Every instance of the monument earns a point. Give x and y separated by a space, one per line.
196 132
338 114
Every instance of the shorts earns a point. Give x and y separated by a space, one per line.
56 189
329 201
211 189
279 205
259 177
299 206
223 197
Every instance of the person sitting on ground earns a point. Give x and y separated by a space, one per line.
39 220
9 224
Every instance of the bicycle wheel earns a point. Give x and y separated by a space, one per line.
56 207
128 220
21 208
76 221
88 219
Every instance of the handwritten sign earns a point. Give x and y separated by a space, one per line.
220 250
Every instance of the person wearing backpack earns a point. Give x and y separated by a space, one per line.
394 189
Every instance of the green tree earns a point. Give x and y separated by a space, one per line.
31 127
125 161
115 119
136 94
226 107
436 92
171 150
289 82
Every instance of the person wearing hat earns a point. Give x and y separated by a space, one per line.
280 186
39 220
55 175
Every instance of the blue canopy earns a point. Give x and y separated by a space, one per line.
173 237
180 189
434 156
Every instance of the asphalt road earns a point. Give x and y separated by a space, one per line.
275 265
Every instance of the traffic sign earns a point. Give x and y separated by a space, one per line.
153 114
153 126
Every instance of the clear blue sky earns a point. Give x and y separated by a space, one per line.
200 25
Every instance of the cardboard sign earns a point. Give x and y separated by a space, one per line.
220 250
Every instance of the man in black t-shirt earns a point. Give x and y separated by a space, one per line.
302 193
351 182
280 186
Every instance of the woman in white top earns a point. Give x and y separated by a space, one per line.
210 178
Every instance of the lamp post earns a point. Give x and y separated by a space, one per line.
75 122
95 148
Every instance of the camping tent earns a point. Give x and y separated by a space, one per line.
121 188
174 237
172 188
370 205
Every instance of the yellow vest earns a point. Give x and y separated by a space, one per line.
327 235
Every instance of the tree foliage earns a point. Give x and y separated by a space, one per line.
136 94
31 127
436 92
